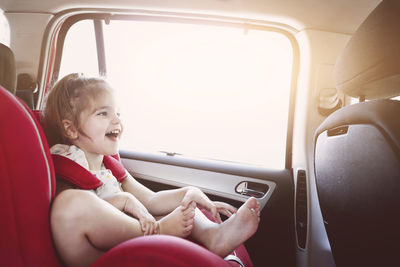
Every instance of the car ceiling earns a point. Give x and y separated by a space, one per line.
342 16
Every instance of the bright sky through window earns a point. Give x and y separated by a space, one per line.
205 91
4 29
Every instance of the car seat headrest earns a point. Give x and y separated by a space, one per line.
8 73
369 66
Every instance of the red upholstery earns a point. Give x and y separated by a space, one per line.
161 250
27 187
70 171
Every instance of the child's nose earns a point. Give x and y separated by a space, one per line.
116 119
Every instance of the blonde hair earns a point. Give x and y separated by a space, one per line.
67 100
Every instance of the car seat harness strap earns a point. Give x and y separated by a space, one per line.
71 171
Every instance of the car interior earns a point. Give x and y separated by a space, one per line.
293 102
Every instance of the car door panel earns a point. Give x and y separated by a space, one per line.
274 240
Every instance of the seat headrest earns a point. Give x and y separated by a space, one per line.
370 63
8 73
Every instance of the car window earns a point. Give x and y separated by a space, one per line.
79 54
4 29
198 90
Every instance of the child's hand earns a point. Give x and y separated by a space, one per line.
225 208
147 222
196 195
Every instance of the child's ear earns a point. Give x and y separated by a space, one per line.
70 130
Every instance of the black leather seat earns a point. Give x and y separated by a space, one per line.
357 148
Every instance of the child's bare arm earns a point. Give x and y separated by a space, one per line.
127 203
157 203
163 202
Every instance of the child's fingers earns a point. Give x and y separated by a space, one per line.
145 229
225 206
149 229
153 227
185 202
214 211
211 207
218 219
145 226
142 225
197 196
225 212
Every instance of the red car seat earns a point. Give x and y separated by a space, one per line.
27 188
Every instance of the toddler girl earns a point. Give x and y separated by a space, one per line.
82 124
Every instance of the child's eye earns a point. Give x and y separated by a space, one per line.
118 114
102 113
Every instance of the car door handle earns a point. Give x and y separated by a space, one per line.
251 189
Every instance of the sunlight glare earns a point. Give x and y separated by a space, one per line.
199 90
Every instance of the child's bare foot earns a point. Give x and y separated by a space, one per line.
235 230
179 222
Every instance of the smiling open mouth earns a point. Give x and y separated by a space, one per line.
113 133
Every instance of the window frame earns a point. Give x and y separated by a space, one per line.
171 17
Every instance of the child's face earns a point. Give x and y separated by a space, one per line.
102 126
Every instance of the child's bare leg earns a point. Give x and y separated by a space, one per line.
223 238
85 226
179 222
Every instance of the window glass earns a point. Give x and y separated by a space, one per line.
203 91
4 29
80 54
